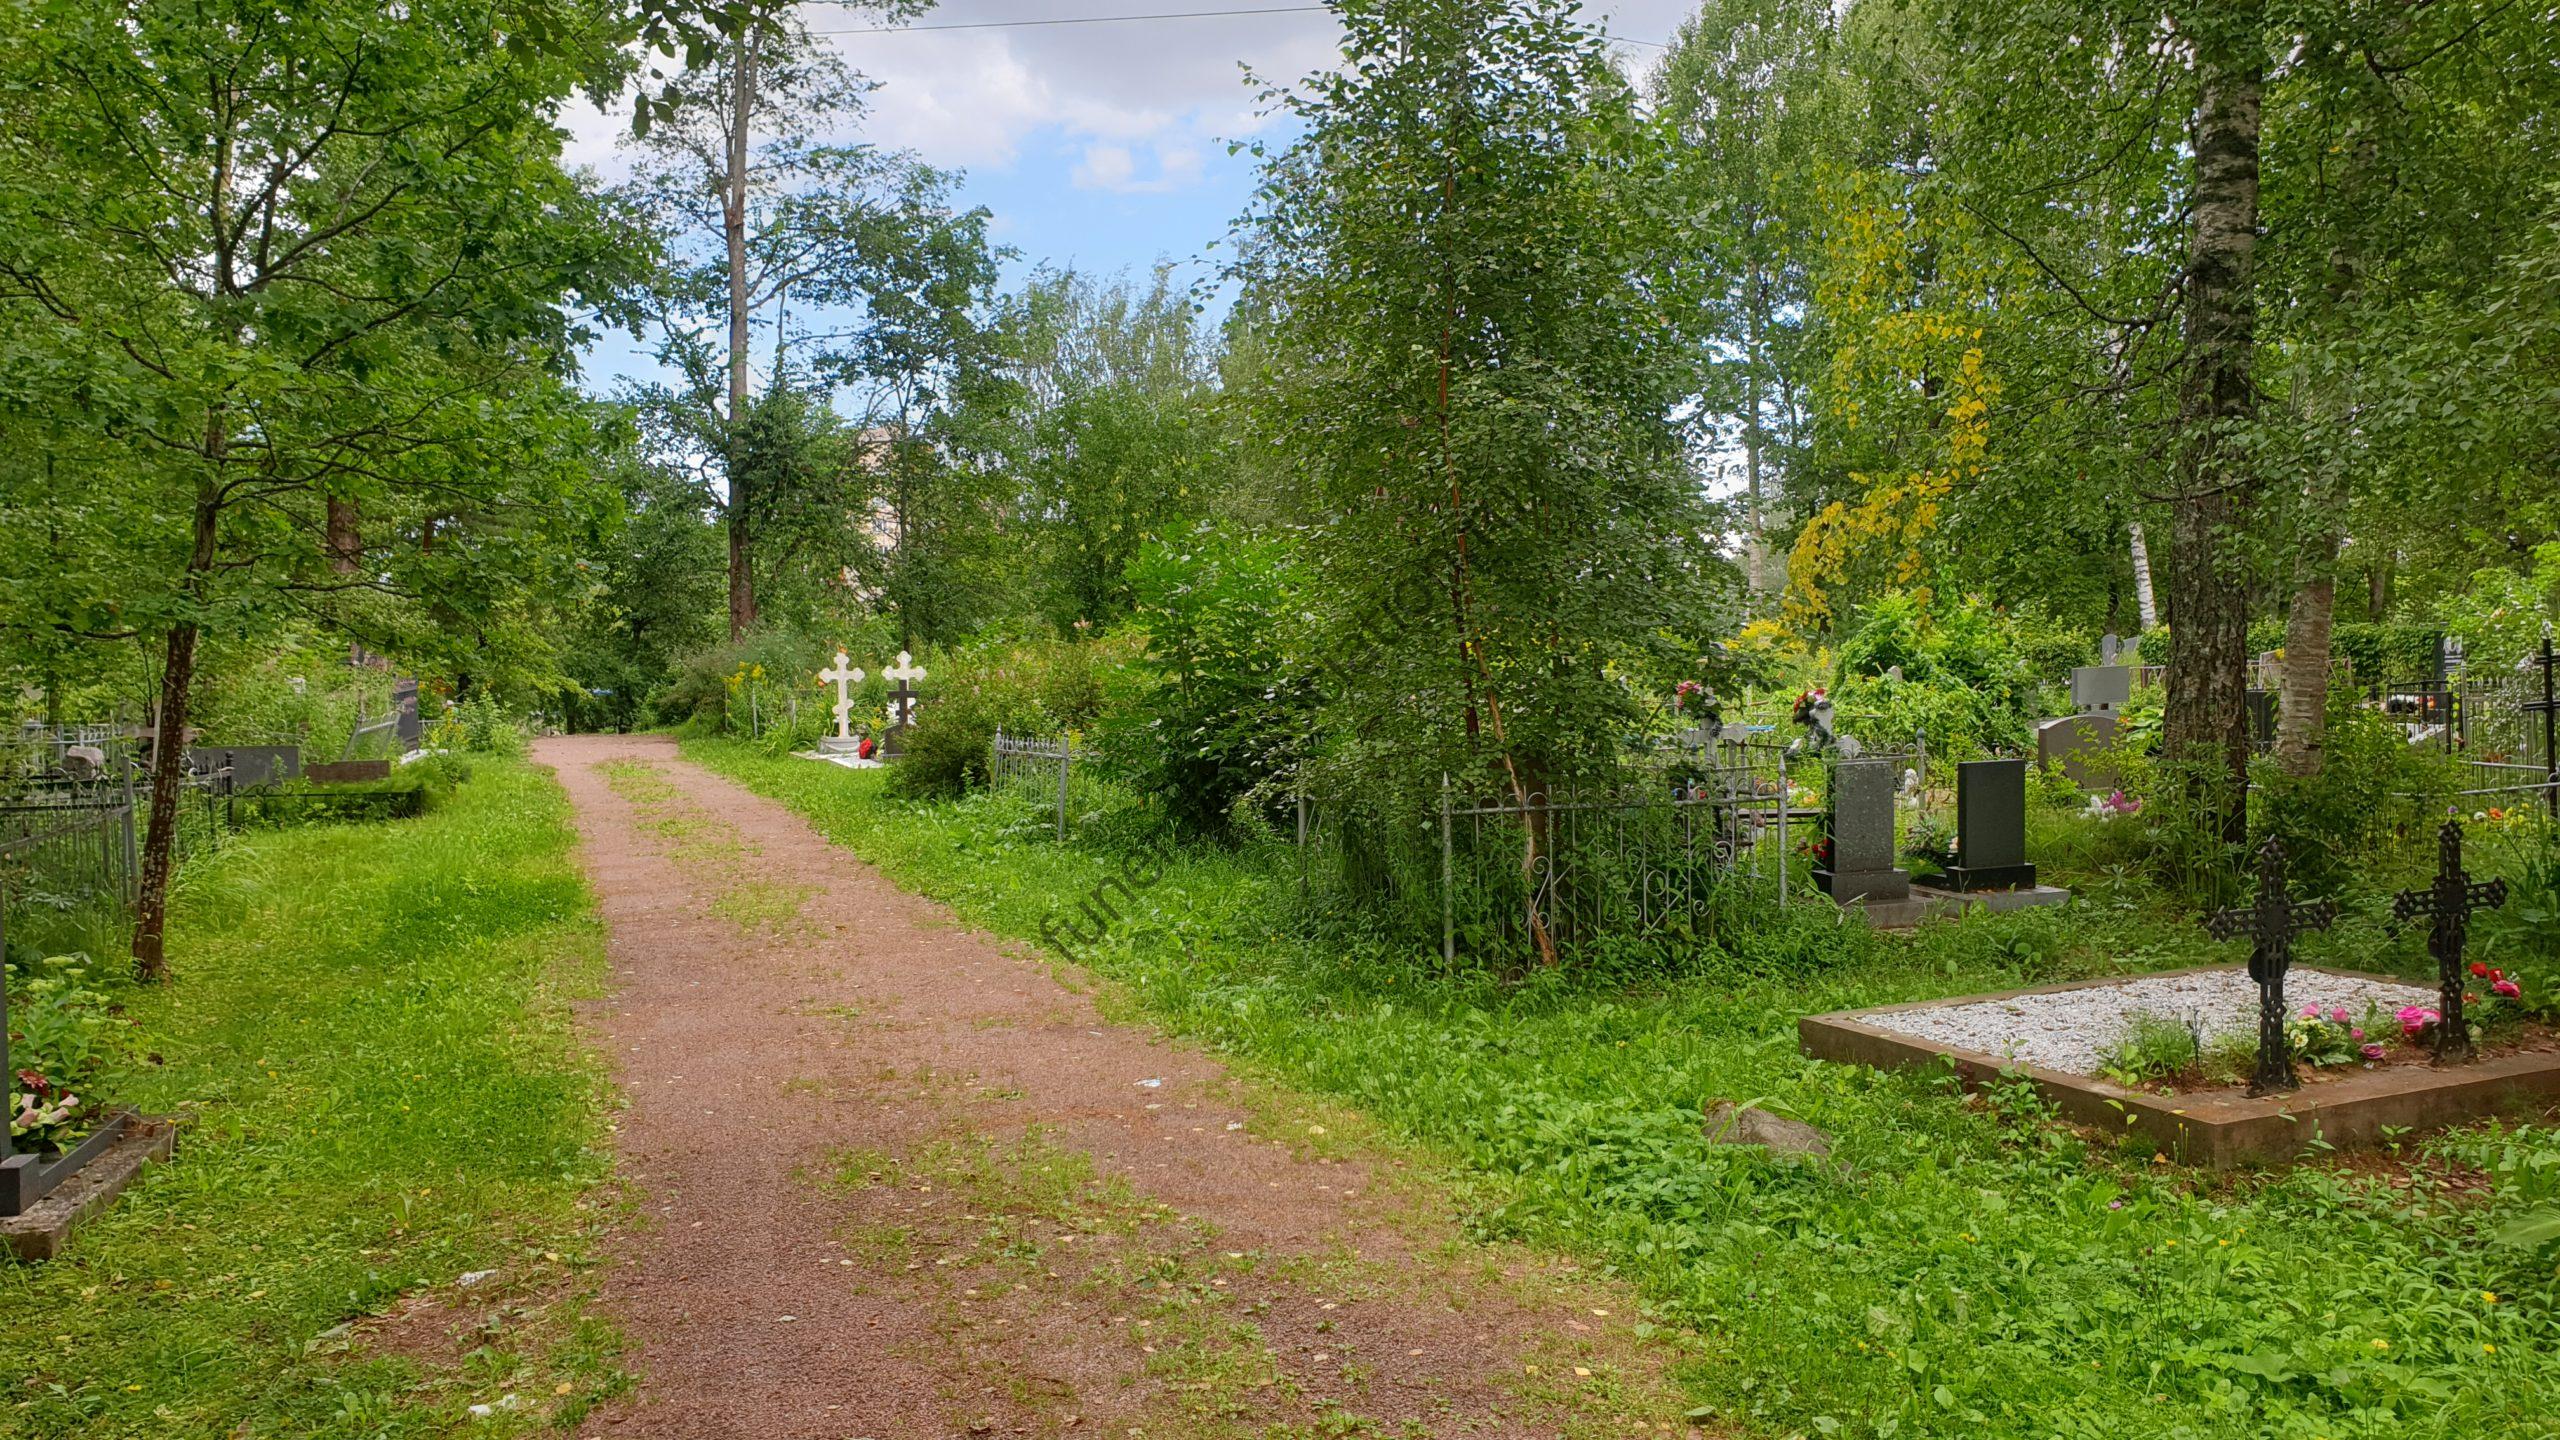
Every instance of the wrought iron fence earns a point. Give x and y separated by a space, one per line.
1020 759
1506 876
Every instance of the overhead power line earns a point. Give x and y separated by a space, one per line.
1123 20
1081 20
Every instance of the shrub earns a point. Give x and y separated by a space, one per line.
1222 708
57 1047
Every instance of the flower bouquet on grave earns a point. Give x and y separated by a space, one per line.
42 1113
2327 1038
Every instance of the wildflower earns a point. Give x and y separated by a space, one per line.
2488 1349
2507 988
2381 1344
2488 1297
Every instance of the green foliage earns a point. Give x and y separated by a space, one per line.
387 1089
1962 682
2003 1276
2154 1048
1470 271
59 1031
1227 709
1028 687
480 725
2370 789
2385 653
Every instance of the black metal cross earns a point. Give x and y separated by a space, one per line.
2450 900
2271 923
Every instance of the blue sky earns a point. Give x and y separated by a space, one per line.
1104 146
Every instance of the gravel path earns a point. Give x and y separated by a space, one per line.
2072 1030
892 1179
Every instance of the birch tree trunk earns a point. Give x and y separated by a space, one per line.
733 233
2204 726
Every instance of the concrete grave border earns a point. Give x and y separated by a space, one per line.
2219 1129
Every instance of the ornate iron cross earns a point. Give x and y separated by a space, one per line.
902 700
2271 923
2450 901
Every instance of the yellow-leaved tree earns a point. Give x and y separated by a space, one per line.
1903 402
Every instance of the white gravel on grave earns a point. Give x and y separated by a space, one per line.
2072 1030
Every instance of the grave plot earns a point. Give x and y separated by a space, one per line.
2221 1065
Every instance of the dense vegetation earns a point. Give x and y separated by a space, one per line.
1967 1269
1899 349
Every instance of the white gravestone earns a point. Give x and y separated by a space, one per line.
845 675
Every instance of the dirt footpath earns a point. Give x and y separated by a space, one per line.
895 1179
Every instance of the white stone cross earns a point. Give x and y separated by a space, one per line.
846 673
903 699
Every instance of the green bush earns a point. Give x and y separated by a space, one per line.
1222 709
1032 687
2367 793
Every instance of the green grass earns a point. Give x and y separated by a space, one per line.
1971 1270
368 1030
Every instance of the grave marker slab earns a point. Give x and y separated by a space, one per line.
1991 827
1861 835
252 766
2101 689
2077 743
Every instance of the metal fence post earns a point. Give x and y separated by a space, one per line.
132 863
1302 842
1448 883
1066 757
995 758
1785 802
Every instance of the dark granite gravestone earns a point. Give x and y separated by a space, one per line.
1861 835
346 772
251 766
2260 707
2101 689
1991 827
2076 743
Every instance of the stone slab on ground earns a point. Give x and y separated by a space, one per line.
1956 902
2216 1128
850 762
41 1232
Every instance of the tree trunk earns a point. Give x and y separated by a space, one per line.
169 731
345 544
2302 723
733 233
2144 600
1758 553
2204 728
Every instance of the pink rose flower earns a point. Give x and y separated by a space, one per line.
2372 1052
2339 1015
2508 988
2356 1034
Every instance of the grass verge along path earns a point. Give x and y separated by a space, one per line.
1967 1270
369 1031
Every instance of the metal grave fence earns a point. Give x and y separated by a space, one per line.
1024 759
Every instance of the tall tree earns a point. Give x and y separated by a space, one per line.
279 255
1480 284
1742 88
749 172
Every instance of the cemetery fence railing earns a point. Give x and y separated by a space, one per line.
1018 759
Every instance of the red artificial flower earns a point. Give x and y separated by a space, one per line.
2480 969
2497 974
